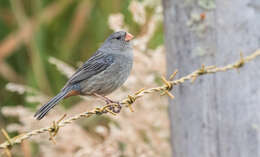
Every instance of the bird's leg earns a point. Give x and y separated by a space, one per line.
109 101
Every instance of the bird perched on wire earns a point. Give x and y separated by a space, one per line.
102 74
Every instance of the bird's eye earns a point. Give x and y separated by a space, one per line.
118 38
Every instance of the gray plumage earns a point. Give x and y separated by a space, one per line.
103 73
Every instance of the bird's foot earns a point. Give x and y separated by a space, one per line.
114 106
111 105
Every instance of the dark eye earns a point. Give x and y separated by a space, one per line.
118 38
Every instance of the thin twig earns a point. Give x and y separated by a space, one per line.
127 102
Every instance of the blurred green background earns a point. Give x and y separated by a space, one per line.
32 31
71 30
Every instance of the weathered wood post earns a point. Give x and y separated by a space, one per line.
218 115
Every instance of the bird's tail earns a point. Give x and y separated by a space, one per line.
49 105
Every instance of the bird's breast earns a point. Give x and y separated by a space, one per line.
111 78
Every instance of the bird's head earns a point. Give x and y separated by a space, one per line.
119 40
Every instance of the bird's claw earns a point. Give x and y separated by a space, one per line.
113 108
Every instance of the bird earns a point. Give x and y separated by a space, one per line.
101 74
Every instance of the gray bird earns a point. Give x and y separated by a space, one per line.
99 76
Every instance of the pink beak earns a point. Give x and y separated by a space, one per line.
128 37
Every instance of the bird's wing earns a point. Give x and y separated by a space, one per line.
96 64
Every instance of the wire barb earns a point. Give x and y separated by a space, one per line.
241 62
131 100
5 134
173 75
168 88
7 149
53 131
202 70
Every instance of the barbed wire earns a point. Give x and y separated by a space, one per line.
114 108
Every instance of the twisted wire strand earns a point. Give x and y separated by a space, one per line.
53 129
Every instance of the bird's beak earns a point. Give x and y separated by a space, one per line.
128 37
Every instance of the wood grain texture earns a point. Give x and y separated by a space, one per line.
218 115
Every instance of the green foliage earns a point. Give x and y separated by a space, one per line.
157 38
4 29
4 4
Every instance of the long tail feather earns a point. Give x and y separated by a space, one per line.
48 106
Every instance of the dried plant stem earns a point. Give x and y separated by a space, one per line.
127 102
